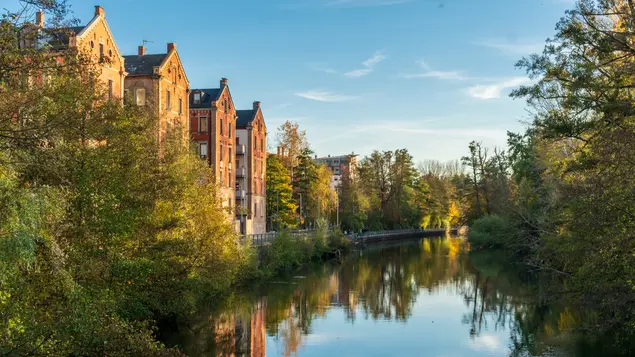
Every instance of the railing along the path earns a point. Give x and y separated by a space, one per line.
267 238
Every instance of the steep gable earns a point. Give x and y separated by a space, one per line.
172 67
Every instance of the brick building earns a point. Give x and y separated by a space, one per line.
213 129
159 82
93 40
338 166
251 170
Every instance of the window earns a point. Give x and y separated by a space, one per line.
110 53
255 209
229 129
180 105
222 173
101 52
197 98
168 99
221 126
110 88
230 154
221 152
140 96
202 148
202 124
262 144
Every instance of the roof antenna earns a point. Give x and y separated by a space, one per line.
146 41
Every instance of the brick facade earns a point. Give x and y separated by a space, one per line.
252 135
213 128
159 82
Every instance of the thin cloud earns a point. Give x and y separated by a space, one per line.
513 48
365 3
279 120
430 73
417 130
494 91
321 67
324 96
369 66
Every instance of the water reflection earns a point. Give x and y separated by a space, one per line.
399 299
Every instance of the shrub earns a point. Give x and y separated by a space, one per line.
490 231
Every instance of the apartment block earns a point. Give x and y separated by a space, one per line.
251 170
158 81
338 166
94 40
213 129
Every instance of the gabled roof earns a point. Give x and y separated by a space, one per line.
245 117
59 38
143 65
207 97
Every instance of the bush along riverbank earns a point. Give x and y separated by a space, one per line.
286 253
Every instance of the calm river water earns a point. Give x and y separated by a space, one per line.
428 297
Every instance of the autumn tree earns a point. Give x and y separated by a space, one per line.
280 204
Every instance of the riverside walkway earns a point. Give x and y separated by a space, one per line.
258 240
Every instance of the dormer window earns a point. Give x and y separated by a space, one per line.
197 98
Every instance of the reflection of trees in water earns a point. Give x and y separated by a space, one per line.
384 283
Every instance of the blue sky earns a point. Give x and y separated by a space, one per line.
358 75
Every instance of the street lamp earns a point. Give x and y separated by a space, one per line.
277 209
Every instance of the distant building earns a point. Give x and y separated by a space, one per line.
158 81
251 170
213 129
338 166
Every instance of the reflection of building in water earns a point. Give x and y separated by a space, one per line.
238 336
258 333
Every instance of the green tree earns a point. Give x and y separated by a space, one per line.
280 204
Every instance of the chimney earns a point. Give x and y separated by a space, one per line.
223 82
171 46
256 105
39 18
142 51
329 156
100 11
315 157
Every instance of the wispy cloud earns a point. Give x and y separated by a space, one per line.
369 66
281 106
322 67
494 90
408 128
512 48
430 73
279 120
361 3
325 96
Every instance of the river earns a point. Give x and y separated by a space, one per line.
426 297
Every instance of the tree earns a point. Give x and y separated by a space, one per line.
293 142
280 204
303 181
387 178
354 205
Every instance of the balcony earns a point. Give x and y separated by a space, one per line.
241 172
240 194
240 150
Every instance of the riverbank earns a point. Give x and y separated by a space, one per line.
390 298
